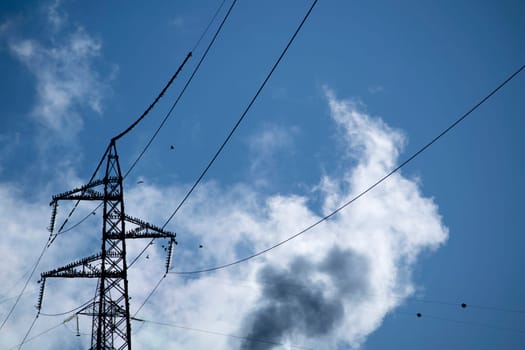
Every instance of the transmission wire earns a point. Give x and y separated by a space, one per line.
423 315
169 113
150 294
243 115
69 311
293 286
219 333
166 87
396 169
25 284
60 231
182 91
28 331
44 249
209 25
37 335
115 138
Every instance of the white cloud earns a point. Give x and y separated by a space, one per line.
375 89
266 146
178 22
358 264
334 284
67 78
55 15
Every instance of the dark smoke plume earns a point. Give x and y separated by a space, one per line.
293 304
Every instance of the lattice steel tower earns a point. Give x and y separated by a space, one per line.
111 328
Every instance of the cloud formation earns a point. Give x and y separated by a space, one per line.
331 287
67 79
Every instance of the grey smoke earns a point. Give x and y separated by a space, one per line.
292 302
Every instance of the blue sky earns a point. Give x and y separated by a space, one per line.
364 86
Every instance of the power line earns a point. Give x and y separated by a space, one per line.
257 340
50 240
28 331
150 294
169 113
293 286
91 213
134 124
25 284
36 336
470 323
232 131
395 170
161 125
243 115
69 311
6 299
166 87
209 25
61 230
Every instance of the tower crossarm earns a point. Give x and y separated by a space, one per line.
146 230
88 267
85 192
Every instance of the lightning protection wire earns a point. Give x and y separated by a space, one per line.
255 340
139 119
168 115
136 122
370 188
159 96
61 229
195 70
244 113
232 131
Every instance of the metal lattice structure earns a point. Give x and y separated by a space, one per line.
110 312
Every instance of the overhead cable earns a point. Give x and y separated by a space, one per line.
27 333
423 315
195 70
25 285
169 113
62 230
370 188
37 335
255 340
162 92
232 131
243 115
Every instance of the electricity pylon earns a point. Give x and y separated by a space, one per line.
111 328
